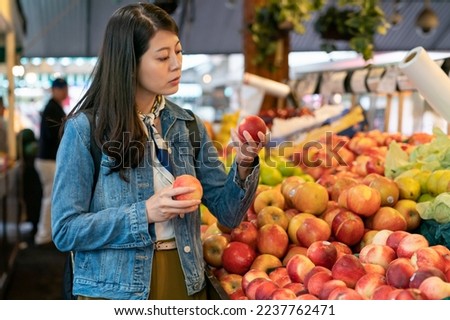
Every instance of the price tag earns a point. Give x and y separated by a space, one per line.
373 78
358 81
388 82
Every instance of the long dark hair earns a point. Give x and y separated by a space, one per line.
111 95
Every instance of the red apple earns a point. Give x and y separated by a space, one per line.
381 237
295 222
245 232
313 271
340 185
388 218
341 248
348 227
266 262
362 200
253 124
213 247
187 180
307 296
231 282
322 253
237 257
272 239
399 272
349 269
311 197
238 295
312 230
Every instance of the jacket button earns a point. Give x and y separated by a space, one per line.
187 249
169 150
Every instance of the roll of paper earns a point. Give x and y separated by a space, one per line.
272 87
429 79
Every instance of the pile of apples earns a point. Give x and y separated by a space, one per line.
352 234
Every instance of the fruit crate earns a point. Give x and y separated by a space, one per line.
213 288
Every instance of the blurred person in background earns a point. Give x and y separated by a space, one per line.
51 120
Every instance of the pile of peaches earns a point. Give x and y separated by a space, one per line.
352 234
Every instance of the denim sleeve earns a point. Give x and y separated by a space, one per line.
225 195
74 227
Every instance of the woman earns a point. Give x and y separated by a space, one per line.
130 238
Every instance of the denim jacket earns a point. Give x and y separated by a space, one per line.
107 229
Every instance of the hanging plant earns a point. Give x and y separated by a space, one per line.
356 21
273 20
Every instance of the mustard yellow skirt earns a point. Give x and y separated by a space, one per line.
167 282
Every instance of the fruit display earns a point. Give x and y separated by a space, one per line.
341 220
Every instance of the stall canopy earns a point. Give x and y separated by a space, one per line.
69 28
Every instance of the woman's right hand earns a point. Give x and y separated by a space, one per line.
162 206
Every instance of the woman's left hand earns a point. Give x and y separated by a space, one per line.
247 151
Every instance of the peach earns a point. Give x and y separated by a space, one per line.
344 293
367 284
298 266
292 250
377 254
399 272
381 236
395 237
434 288
307 296
409 294
425 272
316 282
313 271
282 294
410 244
427 256
382 292
250 292
330 286
187 180
374 268
265 290
297 288
349 269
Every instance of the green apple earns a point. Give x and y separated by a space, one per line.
270 176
